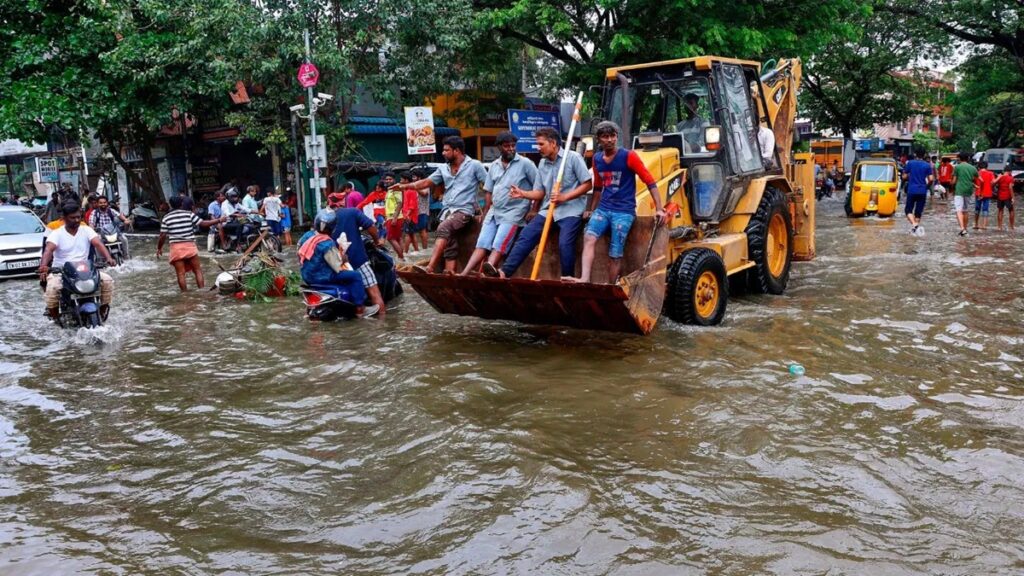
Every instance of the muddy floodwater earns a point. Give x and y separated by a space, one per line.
200 435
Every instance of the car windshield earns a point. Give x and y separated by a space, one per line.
680 107
876 173
19 222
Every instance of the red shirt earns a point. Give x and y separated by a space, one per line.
377 199
983 183
410 204
1005 186
946 173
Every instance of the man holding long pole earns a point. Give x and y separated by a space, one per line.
568 206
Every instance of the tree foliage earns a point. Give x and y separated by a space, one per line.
988 106
852 84
580 39
116 67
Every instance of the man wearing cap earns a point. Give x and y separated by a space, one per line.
570 202
615 173
503 212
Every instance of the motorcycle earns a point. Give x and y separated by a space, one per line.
115 243
252 226
144 217
79 304
329 303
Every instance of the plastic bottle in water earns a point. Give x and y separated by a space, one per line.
796 369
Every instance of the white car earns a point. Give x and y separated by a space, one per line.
21 242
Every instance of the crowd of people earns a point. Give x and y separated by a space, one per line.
966 181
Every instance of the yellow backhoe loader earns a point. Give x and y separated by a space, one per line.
737 219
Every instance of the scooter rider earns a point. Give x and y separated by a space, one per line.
323 261
232 209
71 243
104 217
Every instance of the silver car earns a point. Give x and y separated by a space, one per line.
21 242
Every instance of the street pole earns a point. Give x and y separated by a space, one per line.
184 147
298 172
312 129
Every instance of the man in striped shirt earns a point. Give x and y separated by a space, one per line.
179 227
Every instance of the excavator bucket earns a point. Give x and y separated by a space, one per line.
632 305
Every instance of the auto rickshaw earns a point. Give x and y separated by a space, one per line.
874 188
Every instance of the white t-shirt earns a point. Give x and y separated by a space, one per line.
272 208
766 140
71 248
227 209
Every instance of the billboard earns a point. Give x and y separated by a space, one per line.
419 130
523 123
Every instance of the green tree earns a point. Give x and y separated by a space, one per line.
853 83
580 39
115 67
992 25
988 106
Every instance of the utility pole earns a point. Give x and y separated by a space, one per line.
295 168
312 130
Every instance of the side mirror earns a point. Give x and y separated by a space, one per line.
713 137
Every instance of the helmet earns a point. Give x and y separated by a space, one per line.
324 220
232 192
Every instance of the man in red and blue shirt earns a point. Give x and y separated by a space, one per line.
615 173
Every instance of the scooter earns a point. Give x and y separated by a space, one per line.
329 303
79 304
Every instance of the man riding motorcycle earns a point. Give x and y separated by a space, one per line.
233 210
71 243
323 264
103 218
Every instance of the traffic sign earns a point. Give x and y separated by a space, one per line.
308 75
317 151
313 183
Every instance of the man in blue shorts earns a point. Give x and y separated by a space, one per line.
615 173
918 174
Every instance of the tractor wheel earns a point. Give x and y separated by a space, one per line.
770 244
698 288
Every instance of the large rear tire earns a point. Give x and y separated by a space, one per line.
770 244
698 288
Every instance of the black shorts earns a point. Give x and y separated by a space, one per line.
1007 204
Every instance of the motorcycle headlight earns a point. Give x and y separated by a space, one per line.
85 286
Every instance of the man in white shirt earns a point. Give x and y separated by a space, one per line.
232 210
71 243
766 140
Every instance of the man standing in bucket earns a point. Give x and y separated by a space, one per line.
615 173
462 176
570 202
503 212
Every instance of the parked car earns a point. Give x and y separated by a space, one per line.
21 242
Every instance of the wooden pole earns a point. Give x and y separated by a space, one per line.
555 189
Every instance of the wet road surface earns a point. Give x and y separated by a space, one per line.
201 435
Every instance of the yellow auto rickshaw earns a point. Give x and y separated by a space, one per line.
874 188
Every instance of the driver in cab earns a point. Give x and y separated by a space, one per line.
692 127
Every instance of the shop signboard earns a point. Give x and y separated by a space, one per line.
48 170
523 124
419 130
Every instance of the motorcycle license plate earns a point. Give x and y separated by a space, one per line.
23 264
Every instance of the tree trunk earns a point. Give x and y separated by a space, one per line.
147 184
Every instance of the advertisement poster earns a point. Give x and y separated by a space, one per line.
523 123
419 130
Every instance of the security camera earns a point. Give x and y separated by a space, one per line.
324 97
298 108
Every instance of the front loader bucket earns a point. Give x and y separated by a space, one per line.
632 305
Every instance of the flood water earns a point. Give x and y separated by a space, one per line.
201 435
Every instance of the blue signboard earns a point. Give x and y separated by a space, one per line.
523 123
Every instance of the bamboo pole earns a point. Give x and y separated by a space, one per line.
556 188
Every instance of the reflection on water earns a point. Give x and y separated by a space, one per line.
203 435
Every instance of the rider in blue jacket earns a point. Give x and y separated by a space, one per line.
324 265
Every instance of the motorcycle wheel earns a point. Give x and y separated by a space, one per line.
92 320
273 242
